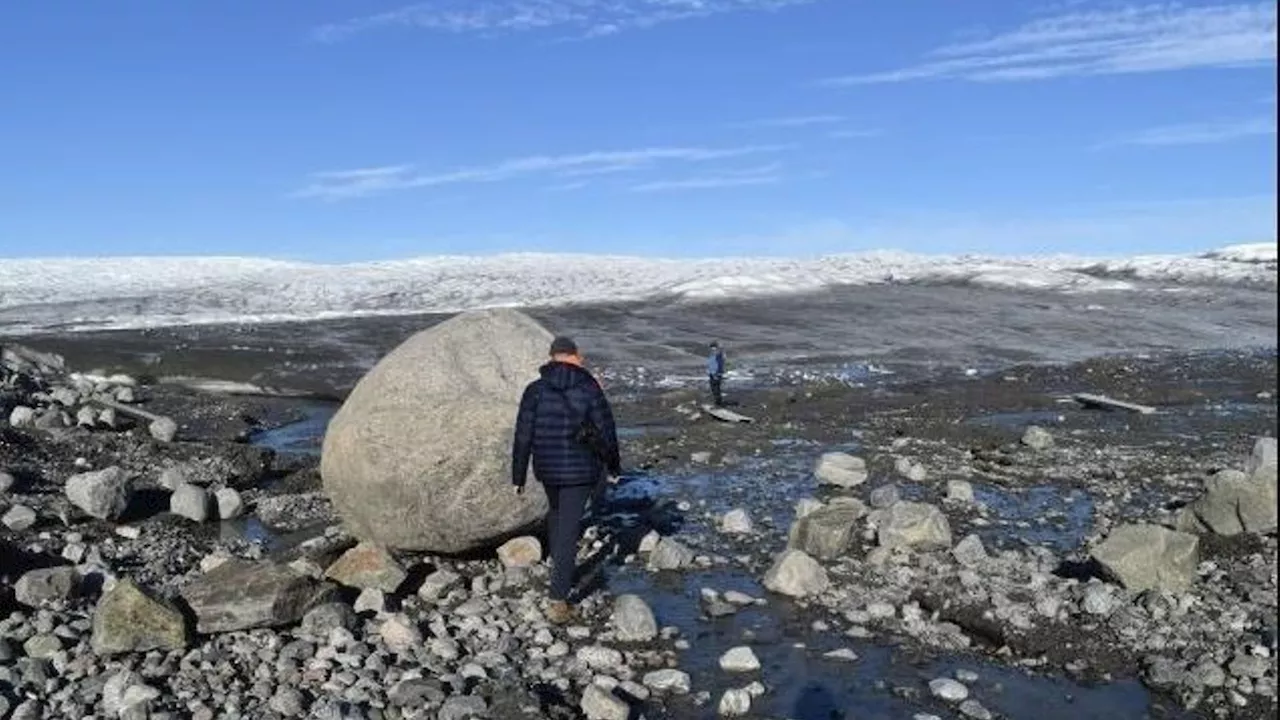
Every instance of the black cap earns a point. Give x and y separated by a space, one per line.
564 346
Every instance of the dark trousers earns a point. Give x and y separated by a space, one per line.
564 529
717 381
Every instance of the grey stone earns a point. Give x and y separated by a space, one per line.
736 522
190 502
320 621
411 462
794 573
130 619
37 587
600 704
521 552
960 491
840 470
1235 502
734 703
438 584
367 566
86 417
1037 438
948 689
241 595
230 504
163 429
463 707
911 470
739 660
103 494
400 634
599 657
884 496
970 551
22 417
918 526
19 518
633 619
973 709
668 680
288 702
42 647
1141 557
827 532
1098 600
7 482
670 555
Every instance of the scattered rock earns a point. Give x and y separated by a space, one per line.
7 482
826 533
1037 438
1142 557
600 704
670 555
918 526
734 703
960 491
241 595
163 429
1234 502
669 681
37 587
840 470
970 552
737 522
948 689
438 584
739 660
190 502
22 417
103 494
521 552
633 619
884 496
795 574
129 619
19 518
400 634
911 470
230 504
367 566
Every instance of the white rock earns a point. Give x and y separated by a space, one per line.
960 491
840 470
633 619
1037 438
739 659
737 522
911 470
672 681
734 703
190 502
600 704
796 574
230 504
948 689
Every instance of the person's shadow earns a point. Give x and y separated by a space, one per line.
817 703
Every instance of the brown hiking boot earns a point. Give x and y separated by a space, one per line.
561 612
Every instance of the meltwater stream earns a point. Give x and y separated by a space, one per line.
884 682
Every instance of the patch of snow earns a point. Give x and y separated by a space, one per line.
78 294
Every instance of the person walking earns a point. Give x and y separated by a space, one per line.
566 427
715 373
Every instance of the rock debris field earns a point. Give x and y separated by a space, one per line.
961 547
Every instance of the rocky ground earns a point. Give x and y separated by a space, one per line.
162 560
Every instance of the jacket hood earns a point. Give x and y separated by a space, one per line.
563 376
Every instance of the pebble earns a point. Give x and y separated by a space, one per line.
948 689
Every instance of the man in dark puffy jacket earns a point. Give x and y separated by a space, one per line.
565 425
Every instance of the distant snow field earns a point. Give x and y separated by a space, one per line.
81 294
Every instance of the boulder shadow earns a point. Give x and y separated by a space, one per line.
145 503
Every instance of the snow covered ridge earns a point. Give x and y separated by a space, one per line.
142 292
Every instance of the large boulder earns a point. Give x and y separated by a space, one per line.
840 470
795 574
1143 557
104 494
1234 502
130 619
419 456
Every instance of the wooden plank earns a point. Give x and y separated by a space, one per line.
1090 400
724 415
126 409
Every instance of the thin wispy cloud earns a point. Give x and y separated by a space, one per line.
1132 39
589 18
762 175
797 121
366 182
854 133
1199 133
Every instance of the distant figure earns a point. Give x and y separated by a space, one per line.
566 425
715 373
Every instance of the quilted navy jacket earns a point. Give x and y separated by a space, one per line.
551 411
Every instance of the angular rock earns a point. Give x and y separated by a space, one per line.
1235 502
970 551
840 470
420 460
1263 460
1037 438
37 587
884 496
190 502
948 689
736 522
230 504
739 660
367 567
130 619
400 634
241 595
960 491
804 506
670 555
521 552
103 494
163 429
633 619
323 619
826 533
22 417
918 526
438 584
600 704
668 680
795 574
911 470
19 518
86 417
1141 557
7 482
734 703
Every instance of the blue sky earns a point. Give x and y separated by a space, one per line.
337 130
